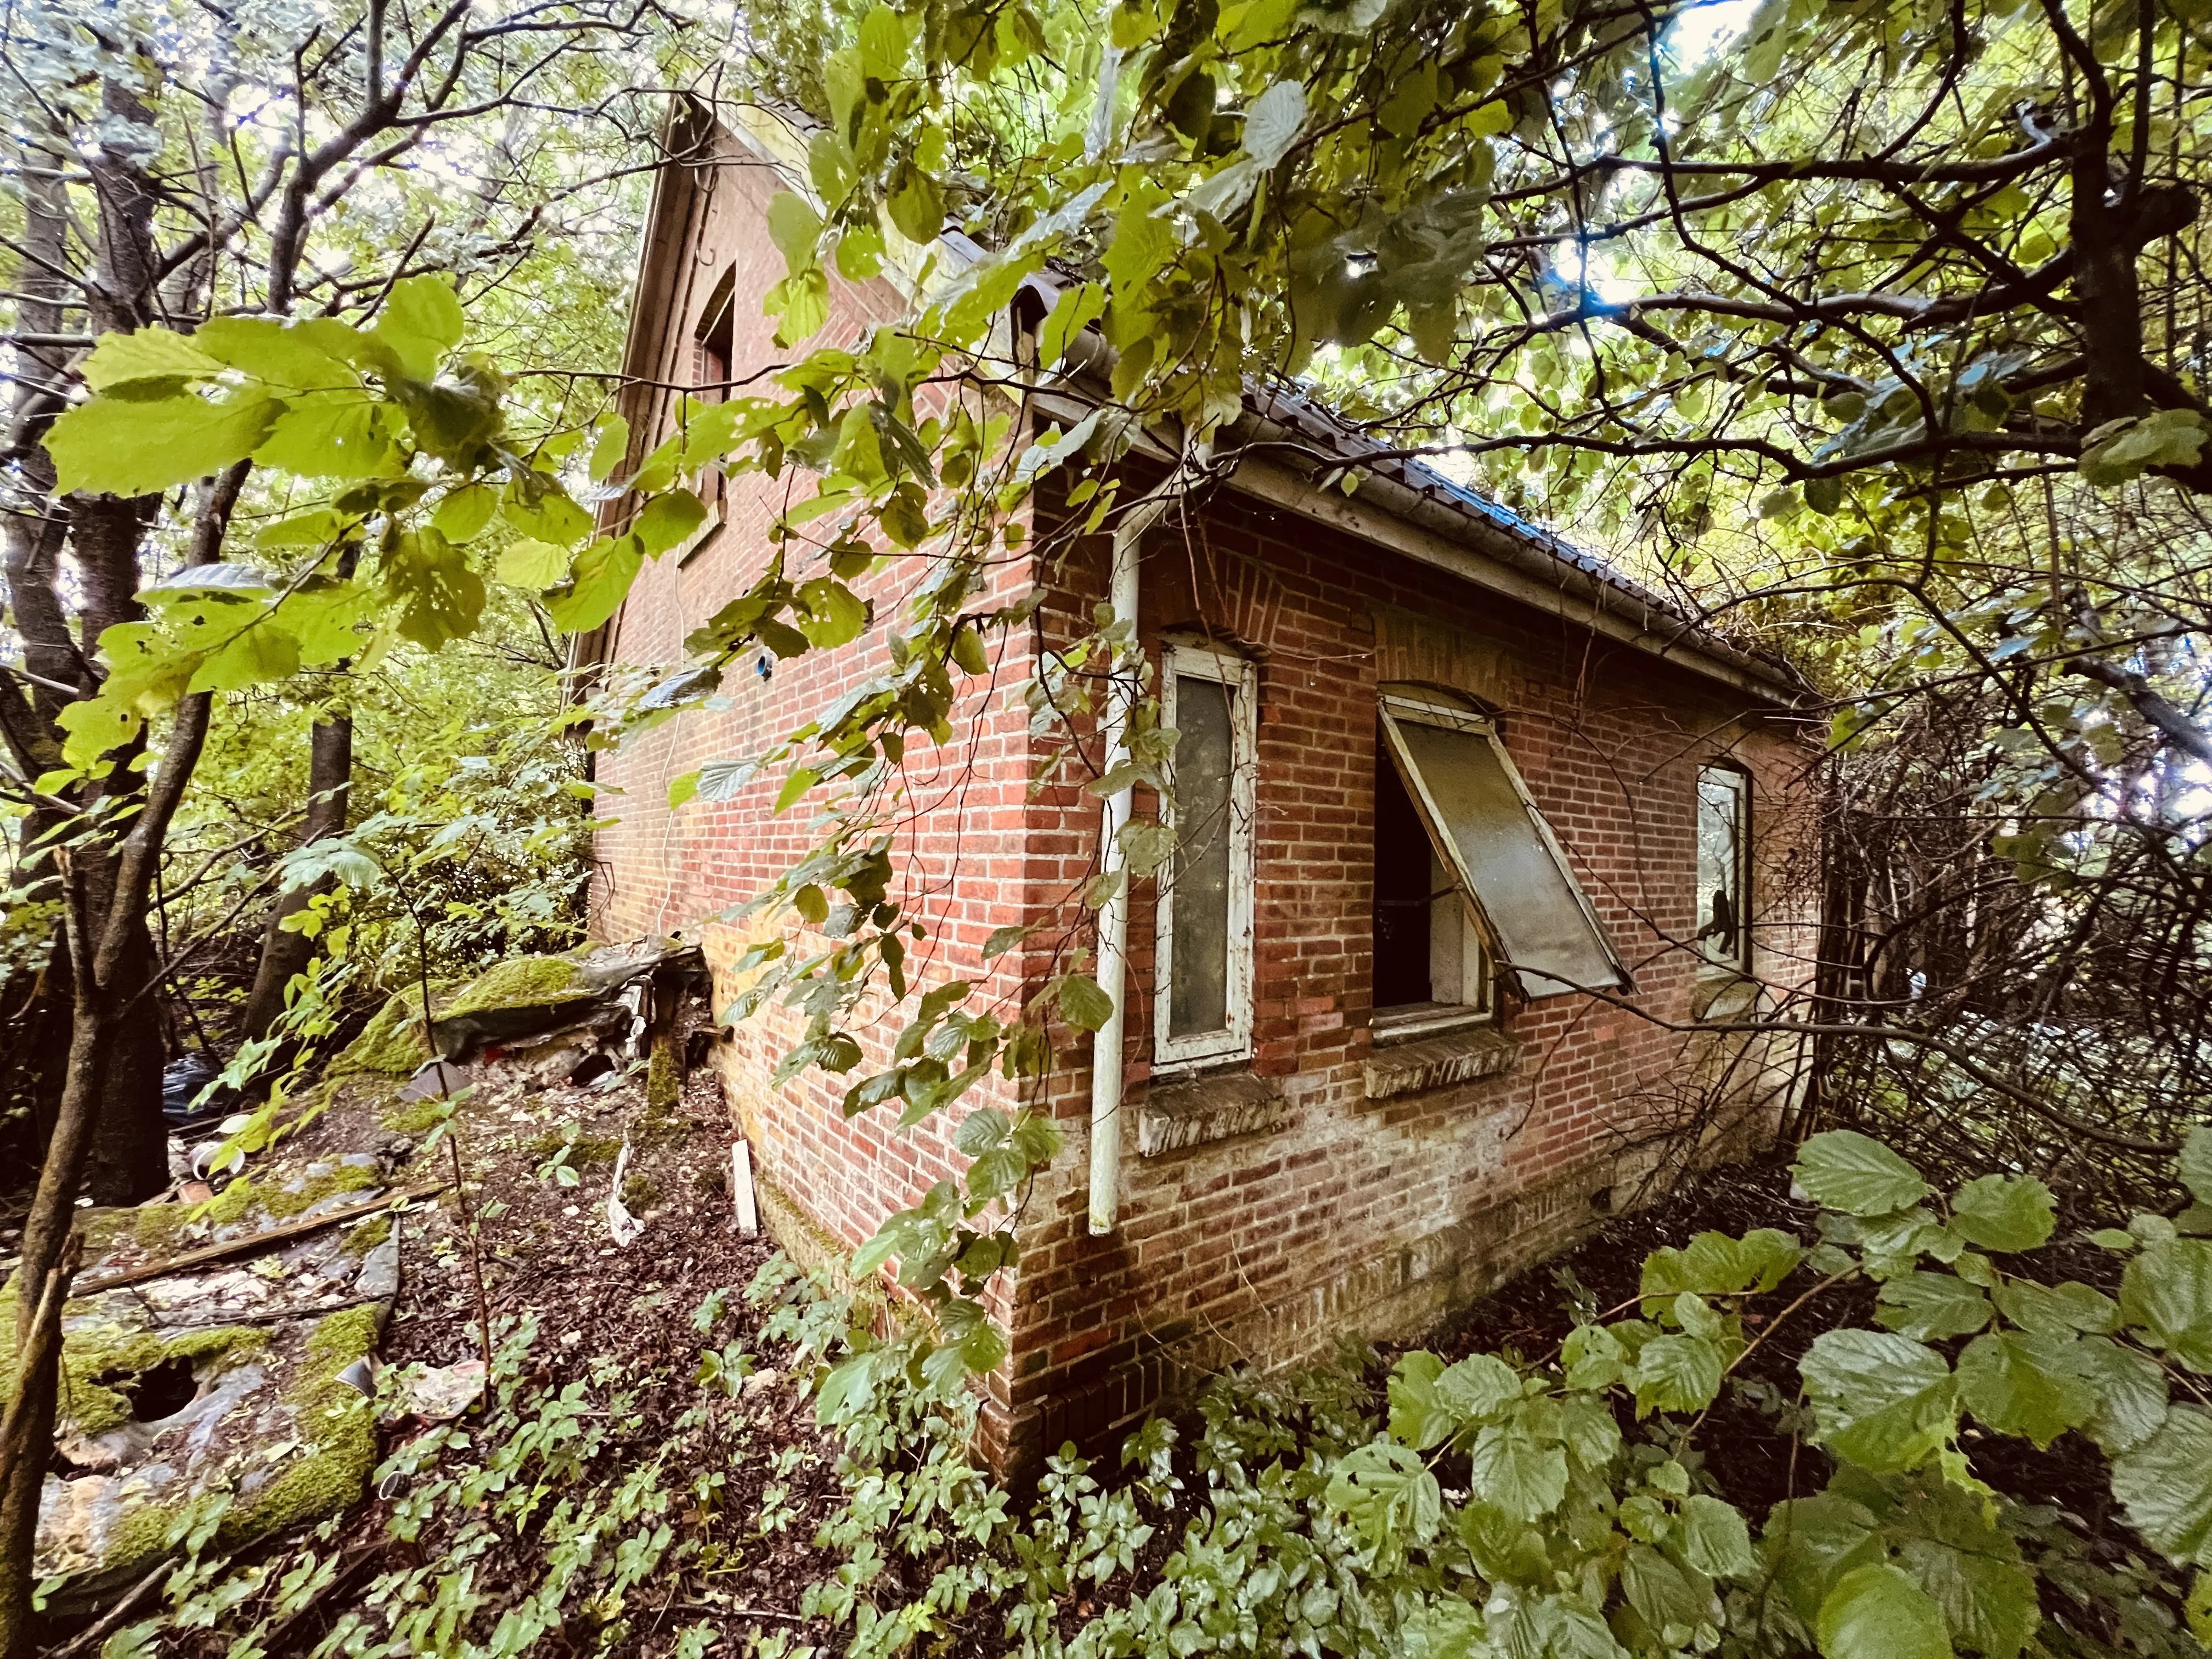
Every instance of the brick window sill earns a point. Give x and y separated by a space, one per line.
1176 1116
1463 1056
1723 993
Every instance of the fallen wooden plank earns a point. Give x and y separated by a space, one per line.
291 1230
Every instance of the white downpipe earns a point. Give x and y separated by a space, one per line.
1106 1048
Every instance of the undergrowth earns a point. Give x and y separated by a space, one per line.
1552 1507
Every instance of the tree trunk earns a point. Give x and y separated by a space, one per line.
285 953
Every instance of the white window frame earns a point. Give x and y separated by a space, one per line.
1399 707
1240 675
1739 781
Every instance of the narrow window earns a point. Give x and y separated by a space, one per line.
1503 859
1430 970
1203 1001
716 345
1723 865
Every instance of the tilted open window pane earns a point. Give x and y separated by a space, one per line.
1203 1004
1724 865
1482 821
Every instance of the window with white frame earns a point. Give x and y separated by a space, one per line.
1202 1000
1724 866
1507 870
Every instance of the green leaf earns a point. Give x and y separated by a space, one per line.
1883 1401
422 322
794 789
1390 1497
1714 1264
1273 121
683 790
118 446
1715 1538
464 513
1076 309
2166 1292
1877 1611
1811 1542
439 596
1929 1307
1845 1170
1593 1357
1677 1373
2194 1167
259 654
794 227
533 564
1083 1004
2058 1309
2025 1385
2004 1212
337 435
1947 1540
2131 1395
915 203
1419 1417
597 585
2121 451
2165 1485
311 353
667 520
608 448
150 354
1663 1594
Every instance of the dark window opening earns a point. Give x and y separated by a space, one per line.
1402 907
717 347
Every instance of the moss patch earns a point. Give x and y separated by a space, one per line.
99 1363
519 982
393 1043
640 1192
336 1427
583 1152
364 1239
663 1080
412 1117
234 1201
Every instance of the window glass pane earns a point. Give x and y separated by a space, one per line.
1198 998
1721 798
1533 904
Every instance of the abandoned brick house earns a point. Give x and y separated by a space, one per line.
1438 768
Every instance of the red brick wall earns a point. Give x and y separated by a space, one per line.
1352 1215
1360 1216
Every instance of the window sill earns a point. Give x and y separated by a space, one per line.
1191 1111
1723 993
1438 1061
1424 1019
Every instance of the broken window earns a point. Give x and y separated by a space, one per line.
1203 999
1483 827
1430 970
1723 865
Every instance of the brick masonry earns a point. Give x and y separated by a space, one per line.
1329 1187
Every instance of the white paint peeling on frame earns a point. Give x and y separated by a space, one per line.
1240 677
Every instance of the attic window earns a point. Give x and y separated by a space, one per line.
1486 831
1723 865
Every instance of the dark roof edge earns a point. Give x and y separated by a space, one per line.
1458 537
